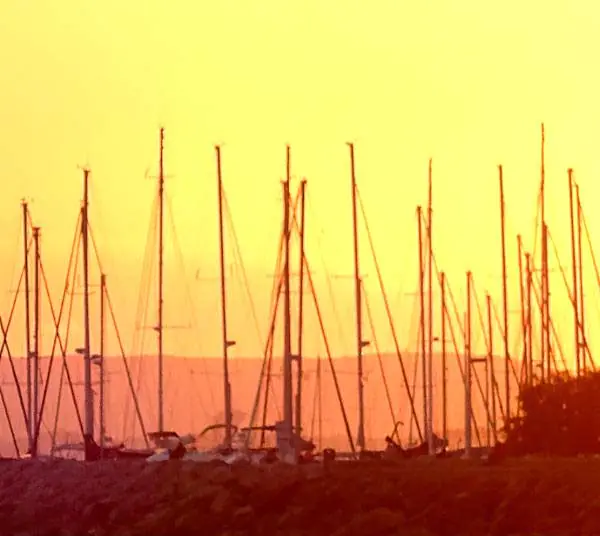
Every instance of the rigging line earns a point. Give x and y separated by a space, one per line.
569 290
58 340
240 259
95 249
68 329
457 353
379 358
141 314
9 422
328 350
389 313
126 365
62 346
458 321
517 343
295 226
18 245
246 284
315 403
97 210
195 323
415 325
54 432
119 339
536 280
269 388
266 352
415 370
71 272
275 296
552 326
499 326
589 241
488 344
450 294
537 223
594 263
328 278
268 346
4 348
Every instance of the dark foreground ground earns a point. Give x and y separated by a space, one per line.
417 498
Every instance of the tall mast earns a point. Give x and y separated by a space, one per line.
429 424
288 415
36 337
583 340
360 439
522 278
422 317
444 365
504 295
299 355
101 360
529 338
544 357
226 342
492 370
31 429
575 294
468 370
89 393
547 332
320 403
159 328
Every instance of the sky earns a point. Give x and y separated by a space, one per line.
464 83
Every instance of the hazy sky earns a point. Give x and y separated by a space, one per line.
464 82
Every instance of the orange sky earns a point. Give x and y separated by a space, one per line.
90 83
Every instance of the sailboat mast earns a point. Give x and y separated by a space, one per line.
101 359
226 342
544 351
36 338
360 439
159 328
575 294
31 429
422 317
287 327
529 338
429 424
522 286
444 364
299 355
468 370
547 332
492 369
583 339
89 394
320 402
505 294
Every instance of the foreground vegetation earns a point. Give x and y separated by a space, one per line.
422 497
560 418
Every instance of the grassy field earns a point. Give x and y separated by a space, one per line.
422 497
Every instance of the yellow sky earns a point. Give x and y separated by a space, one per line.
86 82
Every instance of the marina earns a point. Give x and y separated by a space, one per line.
488 376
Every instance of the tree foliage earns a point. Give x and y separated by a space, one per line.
560 417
